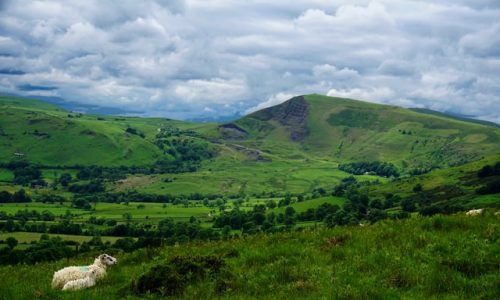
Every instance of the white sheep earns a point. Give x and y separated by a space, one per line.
474 212
78 284
68 274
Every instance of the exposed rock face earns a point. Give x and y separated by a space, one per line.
292 114
252 154
232 131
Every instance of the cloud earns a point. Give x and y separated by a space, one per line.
9 71
178 57
271 101
215 90
29 87
485 42
375 94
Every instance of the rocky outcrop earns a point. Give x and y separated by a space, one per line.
292 114
232 131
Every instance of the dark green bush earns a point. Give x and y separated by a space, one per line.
173 277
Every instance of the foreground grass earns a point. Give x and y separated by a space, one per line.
443 257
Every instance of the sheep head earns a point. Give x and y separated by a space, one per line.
107 260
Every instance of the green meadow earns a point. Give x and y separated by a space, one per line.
140 212
28 237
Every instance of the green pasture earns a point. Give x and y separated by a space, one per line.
6 175
140 211
312 203
28 237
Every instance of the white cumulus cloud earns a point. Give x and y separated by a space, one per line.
178 57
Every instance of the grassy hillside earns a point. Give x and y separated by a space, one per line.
45 134
456 185
345 129
295 146
443 257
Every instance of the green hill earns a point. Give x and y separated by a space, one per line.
443 257
295 146
350 130
47 135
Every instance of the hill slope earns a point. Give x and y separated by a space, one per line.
443 257
48 135
345 129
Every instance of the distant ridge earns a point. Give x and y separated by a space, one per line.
451 116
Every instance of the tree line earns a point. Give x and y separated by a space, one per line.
375 167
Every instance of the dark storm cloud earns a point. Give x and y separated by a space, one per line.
11 72
196 58
29 87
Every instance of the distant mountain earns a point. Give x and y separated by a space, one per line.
86 108
455 116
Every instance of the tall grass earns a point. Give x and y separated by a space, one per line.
442 257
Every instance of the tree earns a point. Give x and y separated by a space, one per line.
376 203
417 188
271 204
376 214
289 211
289 216
81 203
407 205
226 230
127 217
47 216
24 175
485 171
259 218
11 242
65 179
5 197
21 196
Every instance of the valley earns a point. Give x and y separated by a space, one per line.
73 184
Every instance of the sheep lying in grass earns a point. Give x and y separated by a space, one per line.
72 273
78 284
474 212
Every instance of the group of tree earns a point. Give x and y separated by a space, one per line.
17 197
255 220
99 172
25 173
92 187
490 174
489 170
432 201
171 131
167 232
46 249
375 167
25 215
133 196
184 154
134 131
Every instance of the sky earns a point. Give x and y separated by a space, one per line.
215 58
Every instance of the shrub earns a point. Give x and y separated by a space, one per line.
173 277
